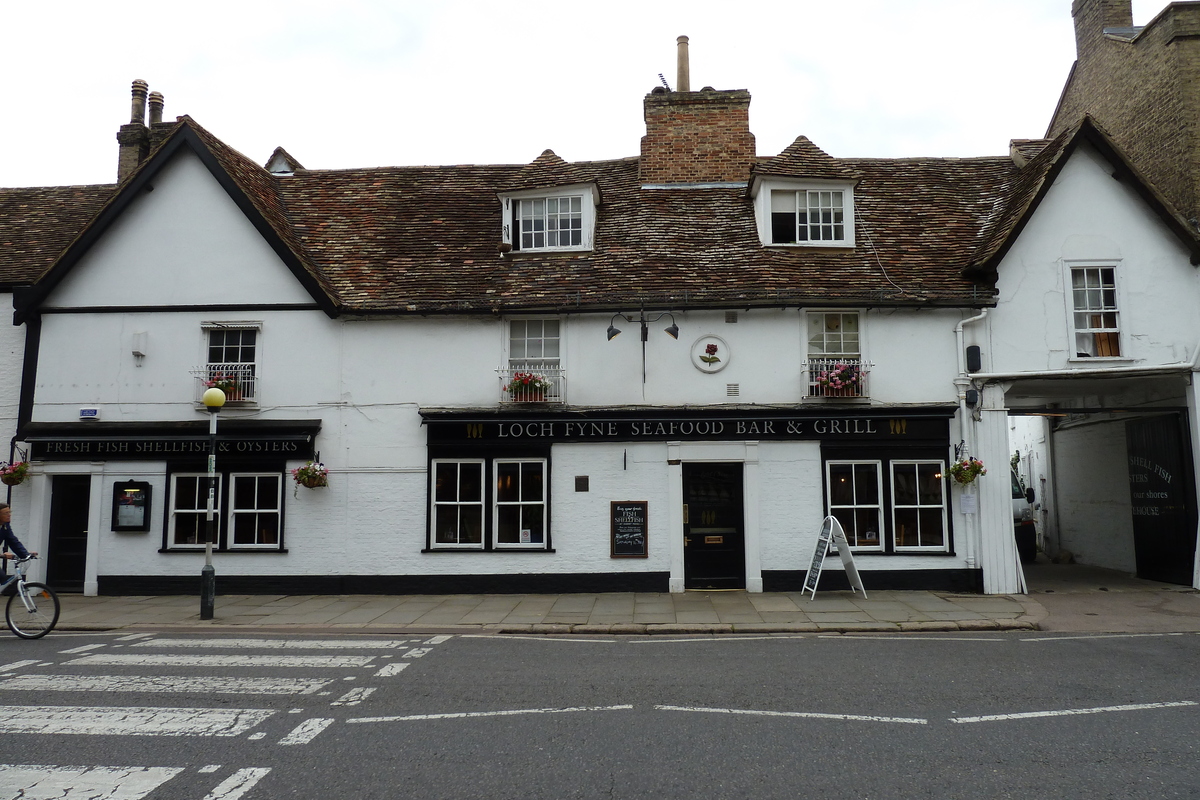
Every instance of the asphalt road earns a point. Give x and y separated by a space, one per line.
886 716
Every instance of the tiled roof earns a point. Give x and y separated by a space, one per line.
803 159
426 239
36 225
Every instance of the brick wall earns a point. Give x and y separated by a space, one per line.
697 137
1144 92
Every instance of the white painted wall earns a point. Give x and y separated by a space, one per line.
1094 515
1088 215
185 243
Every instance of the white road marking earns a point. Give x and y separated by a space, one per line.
306 731
1070 712
83 648
254 737
416 652
134 637
354 696
804 714
122 660
508 637
209 768
908 637
440 639
237 784
17 665
163 684
1052 638
124 721
281 644
391 669
712 638
40 782
472 714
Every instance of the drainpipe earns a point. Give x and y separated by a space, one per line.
961 383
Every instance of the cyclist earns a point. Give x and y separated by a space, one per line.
9 540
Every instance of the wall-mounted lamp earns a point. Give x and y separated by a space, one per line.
671 330
643 321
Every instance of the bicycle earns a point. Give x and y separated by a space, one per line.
32 610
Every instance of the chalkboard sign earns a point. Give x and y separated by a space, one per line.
831 530
629 529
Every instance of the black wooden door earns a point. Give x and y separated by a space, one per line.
714 546
66 560
1163 497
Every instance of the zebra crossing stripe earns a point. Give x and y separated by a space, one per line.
237 784
139 660
388 670
39 780
123 721
166 684
353 697
279 644
83 648
17 665
306 731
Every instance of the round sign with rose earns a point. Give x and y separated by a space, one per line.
710 354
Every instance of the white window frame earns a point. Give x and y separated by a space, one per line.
878 506
821 314
201 513
510 233
251 392
763 208
526 362
481 504
1069 268
941 471
234 511
497 504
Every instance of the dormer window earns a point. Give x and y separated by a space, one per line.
805 214
562 219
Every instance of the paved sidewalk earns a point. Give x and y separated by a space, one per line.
624 613
1062 598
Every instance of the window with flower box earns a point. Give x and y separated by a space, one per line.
489 504
835 365
534 371
231 360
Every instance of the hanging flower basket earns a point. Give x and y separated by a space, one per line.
966 471
312 475
14 474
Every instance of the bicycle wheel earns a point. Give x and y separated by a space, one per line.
36 623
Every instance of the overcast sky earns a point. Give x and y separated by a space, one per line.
362 83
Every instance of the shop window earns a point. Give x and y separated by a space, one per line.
909 495
855 499
458 504
247 511
520 504
918 505
189 510
255 510
511 513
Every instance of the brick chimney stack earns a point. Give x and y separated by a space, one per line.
1093 16
134 139
695 137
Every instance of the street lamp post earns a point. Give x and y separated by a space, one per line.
213 399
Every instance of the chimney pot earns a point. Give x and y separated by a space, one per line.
156 107
137 111
683 73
